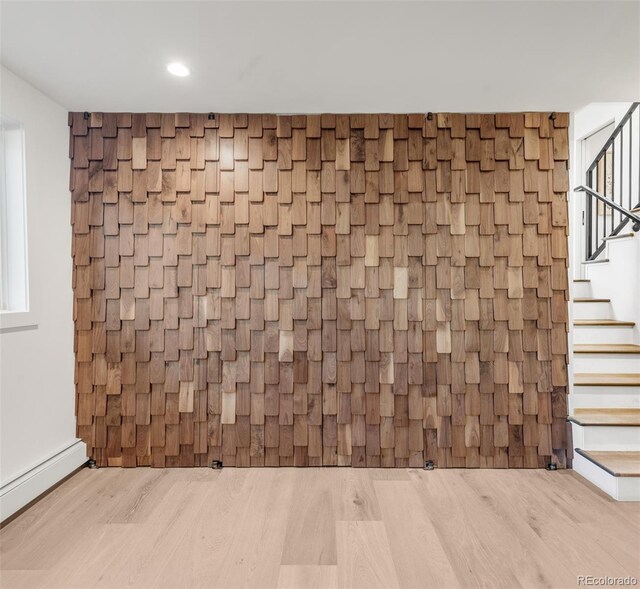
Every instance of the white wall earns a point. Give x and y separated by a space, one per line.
596 115
606 281
37 424
585 122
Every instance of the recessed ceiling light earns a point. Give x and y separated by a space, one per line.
178 69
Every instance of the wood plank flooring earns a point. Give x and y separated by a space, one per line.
319 528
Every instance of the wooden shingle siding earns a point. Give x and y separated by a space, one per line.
364 290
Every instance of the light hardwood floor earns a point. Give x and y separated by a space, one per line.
332 527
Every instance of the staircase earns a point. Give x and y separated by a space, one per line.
605 401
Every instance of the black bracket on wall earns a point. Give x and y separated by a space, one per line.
86 115
429 465
552 116
217 464
552 466
91 463
429 116
212 116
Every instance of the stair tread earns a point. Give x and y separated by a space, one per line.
590 300
619 464
606 379
606 349
606 416
609 322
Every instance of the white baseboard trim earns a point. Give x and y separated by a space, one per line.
27 486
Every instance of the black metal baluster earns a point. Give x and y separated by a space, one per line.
589 218
604 224
613 183
618 183
638 157
630 159
607 193
621 182
621 174
594 213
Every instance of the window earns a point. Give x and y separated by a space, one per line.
14 292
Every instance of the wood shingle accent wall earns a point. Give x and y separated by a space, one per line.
364 290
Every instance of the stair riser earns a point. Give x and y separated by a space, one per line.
601 334
606 437
592 311
606 363
582 290
620 488
603 397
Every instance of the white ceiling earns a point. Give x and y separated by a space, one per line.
326 56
